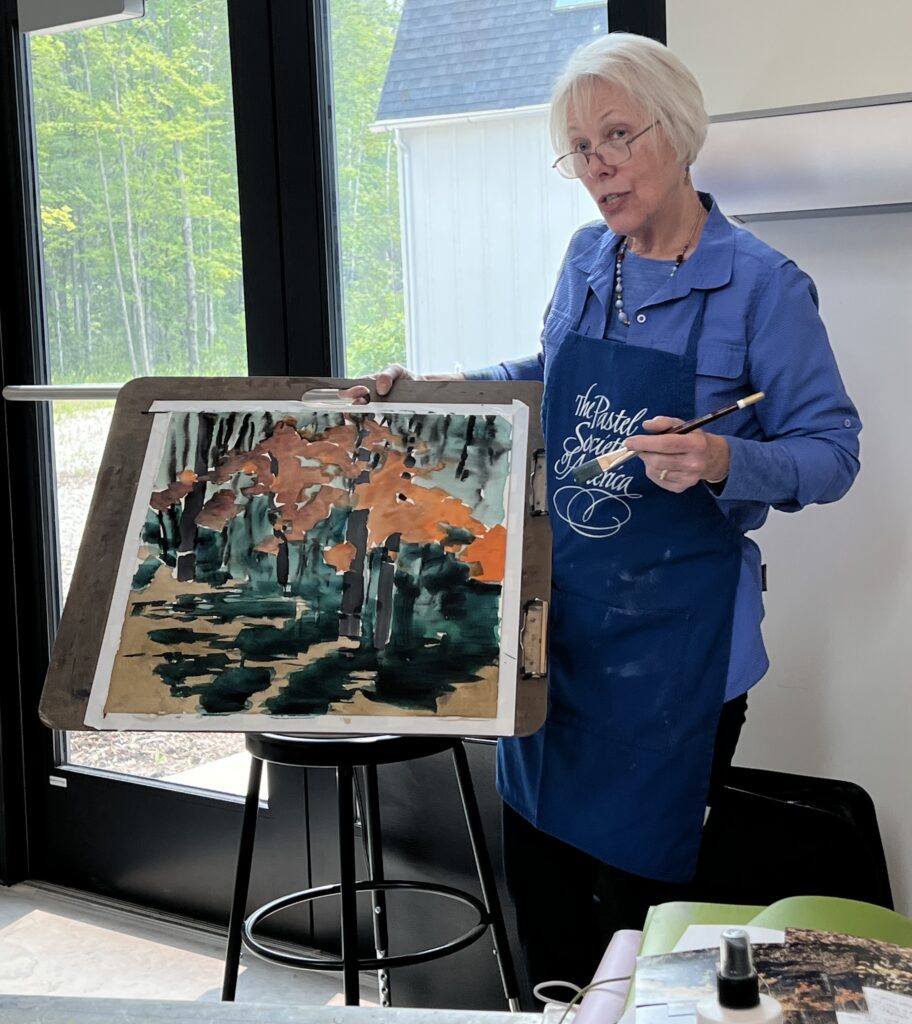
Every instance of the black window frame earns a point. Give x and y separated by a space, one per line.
286 188
642 17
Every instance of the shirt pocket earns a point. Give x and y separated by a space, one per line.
557 324
720 358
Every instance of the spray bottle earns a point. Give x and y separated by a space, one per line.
738 999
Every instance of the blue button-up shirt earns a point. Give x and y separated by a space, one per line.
762 332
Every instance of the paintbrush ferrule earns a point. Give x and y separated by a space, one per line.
588 471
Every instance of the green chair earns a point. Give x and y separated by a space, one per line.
666 923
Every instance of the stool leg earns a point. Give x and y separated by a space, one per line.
486 877
347 878
371 811
242 880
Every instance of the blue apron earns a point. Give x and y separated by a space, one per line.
643 592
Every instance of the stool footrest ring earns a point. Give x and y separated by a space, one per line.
265 952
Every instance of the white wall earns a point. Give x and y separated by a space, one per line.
837 702
753 56
838 699
486 222
805 161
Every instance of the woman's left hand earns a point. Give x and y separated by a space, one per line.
678 461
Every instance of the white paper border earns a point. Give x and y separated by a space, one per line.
126 570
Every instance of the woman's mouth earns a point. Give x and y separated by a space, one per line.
610 199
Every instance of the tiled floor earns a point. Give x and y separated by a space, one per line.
53 944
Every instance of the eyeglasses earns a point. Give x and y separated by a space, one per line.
611 152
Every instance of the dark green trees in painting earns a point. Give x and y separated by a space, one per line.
139 199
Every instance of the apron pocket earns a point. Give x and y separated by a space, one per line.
622 674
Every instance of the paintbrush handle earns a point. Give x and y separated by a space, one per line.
700 421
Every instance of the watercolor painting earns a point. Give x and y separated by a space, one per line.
306 562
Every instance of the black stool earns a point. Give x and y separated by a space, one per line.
345 755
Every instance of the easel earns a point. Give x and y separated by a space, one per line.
76 650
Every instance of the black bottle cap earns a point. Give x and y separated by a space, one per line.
738 985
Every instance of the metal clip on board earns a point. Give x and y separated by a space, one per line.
538 485
533 639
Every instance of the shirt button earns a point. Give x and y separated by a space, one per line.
847 423
641 318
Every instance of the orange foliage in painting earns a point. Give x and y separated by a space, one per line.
218 510
305 494
269 545
311 477
487 555
175 492
341 556
399 503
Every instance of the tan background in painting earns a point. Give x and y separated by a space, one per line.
140 691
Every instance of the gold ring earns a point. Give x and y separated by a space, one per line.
663 474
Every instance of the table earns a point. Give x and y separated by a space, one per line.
69 1010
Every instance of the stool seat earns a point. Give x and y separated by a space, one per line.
331 751
354 757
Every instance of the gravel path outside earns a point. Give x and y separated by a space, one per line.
79 439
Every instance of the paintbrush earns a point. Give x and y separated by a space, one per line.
590 470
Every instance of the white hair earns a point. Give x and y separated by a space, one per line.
654 78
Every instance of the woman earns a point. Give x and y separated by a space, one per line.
662 311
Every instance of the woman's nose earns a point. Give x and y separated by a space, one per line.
598 168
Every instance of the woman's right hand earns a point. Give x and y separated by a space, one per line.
360 395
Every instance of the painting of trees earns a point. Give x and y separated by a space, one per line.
319 558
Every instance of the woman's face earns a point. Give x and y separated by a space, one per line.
643 193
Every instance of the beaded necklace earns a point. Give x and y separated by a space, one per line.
622 251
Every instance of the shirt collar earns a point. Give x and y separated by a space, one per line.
709 266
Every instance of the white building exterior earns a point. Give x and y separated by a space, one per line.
485 223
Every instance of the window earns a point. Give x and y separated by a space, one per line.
141 257
452 224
